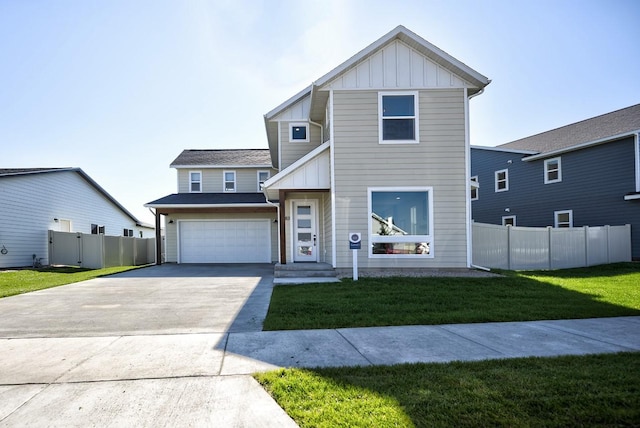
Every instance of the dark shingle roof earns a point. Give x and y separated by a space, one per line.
16 171
210 199
236 157
589 130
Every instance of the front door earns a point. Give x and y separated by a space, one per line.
305 235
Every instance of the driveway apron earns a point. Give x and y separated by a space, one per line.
144 348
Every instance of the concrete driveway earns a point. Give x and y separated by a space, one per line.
141 348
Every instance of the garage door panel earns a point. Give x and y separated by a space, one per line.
225 241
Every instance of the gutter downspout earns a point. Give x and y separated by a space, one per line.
273 204
468 175
321 130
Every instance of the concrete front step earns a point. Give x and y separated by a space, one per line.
304 270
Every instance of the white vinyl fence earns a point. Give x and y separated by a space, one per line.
528 248
99 251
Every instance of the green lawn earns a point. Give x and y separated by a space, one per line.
596 390
601 291
25 280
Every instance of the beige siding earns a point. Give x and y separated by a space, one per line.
171 234
291 152
212 179
327 254
438 161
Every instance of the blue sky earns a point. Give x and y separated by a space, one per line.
119 88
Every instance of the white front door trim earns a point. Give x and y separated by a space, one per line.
304 230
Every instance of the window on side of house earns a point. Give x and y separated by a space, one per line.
398 117
94 229
552 171
101 230
299 133
563 218
401 222
229 184
195 181
127 232
502 180
509 220
262 177
474 188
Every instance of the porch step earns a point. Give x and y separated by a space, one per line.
304 270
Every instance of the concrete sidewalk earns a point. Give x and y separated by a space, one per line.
195 379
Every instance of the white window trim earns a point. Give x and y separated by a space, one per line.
477 188
416 116
408 238
298 124
224 181
258 178
191 181
546 170
508 217
506 179
557 213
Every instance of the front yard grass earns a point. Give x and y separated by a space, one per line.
20 281
573 391
600 291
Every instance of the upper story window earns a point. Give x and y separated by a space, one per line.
502 180
552 171
299 133
195 181
229 184
474 188
262 177
400 222
563 218
398 117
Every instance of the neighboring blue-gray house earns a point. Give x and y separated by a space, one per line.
583 174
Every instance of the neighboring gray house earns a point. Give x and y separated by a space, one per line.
35 200
378 146
583 174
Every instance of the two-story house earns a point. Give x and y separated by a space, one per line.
583 174
378 146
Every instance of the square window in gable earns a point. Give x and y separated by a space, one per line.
299 133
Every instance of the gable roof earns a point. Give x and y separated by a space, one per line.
231 157
595 130
13 172
317 97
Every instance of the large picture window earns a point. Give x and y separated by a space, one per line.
400 222
398 121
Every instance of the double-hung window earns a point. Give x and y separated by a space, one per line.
195 181
262 177
400 222
502 180
229 184
398 117
563 218
552 171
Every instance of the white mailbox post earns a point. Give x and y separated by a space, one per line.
355 243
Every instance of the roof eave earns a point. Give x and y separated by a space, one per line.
191 206
580 146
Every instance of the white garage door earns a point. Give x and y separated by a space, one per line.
225 241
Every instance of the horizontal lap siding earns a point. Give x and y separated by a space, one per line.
212 179
438 161
291 152
29 204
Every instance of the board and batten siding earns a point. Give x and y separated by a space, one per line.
171 230
438 161
30 203
291 152
212 179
